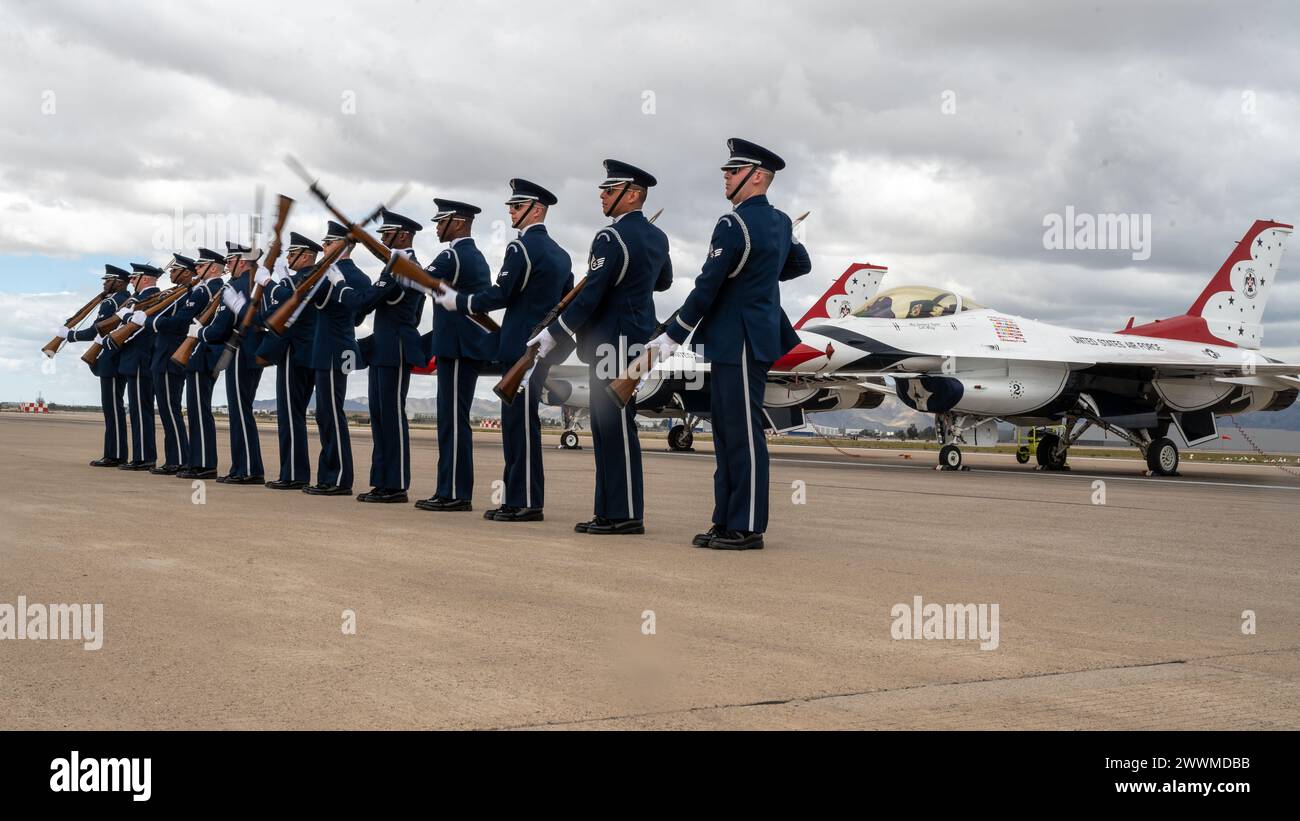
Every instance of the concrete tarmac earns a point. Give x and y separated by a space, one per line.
225 607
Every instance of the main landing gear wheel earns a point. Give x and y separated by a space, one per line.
1162 457
1047 459
569 440
1022 455
950 457
680 437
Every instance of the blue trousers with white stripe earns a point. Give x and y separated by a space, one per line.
169 390
456 380
110 400
334 465
139 392
390 457
293 388
619 488
199 386
739 444
245 447
521 442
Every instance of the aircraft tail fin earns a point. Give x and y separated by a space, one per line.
1230 311
858 283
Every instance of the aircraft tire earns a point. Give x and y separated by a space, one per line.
1046 446
950 457
569 440
1162 457
680 438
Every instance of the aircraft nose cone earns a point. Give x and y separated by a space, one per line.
801 354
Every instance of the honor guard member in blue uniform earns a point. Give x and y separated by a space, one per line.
244 373
735 313
199 381
169 327
461 346
534 277
134 362
335 354
111 385
395 347
611 319
294 380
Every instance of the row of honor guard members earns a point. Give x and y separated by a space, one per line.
733 313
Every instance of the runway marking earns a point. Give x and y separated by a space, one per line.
1175 482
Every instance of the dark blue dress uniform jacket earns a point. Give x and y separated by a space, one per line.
535 275
628 263
737 296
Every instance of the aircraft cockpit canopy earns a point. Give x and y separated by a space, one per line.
915 302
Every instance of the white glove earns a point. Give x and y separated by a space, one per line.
233 299
334 275
663 347
544 341
447 298
282 268
139 318
195 327
99 340
122 313
262 277
412 284
62 332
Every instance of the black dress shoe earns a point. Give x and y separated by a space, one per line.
736 540
616 527
702 539
106 462
431 503
455 505
327 490
184 468
384 496
136 466
165 470
492 513
286 484
520 514
210 473
581 527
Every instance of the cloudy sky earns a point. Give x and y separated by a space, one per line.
933 138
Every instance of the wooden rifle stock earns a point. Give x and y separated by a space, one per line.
508 386
181 356
57 342
124 331
512 380
278 322
105 327
272 254
399 264
622 389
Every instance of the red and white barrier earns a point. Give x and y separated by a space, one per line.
38 406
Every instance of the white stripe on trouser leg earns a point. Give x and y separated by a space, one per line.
528 449
176 427
401 414
749 430
138 418
117 428
288 413
627 462
203 422
622 418
338 434
233 373
455 423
